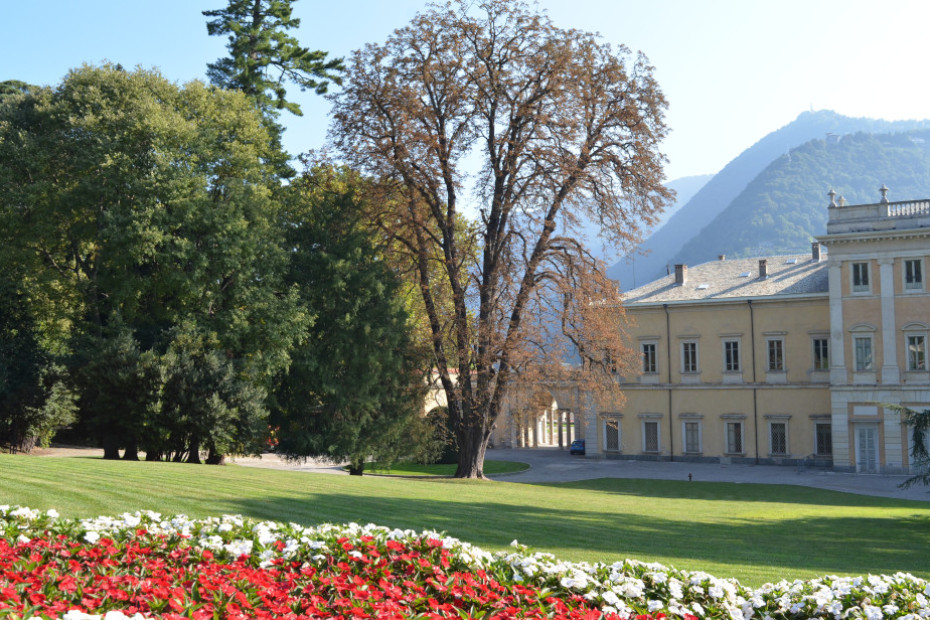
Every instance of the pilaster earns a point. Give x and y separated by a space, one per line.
891 374
838 374
894 454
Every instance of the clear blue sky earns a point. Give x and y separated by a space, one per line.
732 70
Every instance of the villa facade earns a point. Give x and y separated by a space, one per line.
783 360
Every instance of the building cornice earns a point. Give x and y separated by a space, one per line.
873 235
727 300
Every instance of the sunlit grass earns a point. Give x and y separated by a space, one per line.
756 533
443 469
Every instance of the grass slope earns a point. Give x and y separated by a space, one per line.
443 469
755 533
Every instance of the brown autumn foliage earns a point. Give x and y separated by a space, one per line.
565 127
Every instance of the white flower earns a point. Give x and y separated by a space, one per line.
872 612
51 512
239 547
91 536
633 588
655 606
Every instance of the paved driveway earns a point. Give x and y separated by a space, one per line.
554 465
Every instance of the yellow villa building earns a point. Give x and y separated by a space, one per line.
786 359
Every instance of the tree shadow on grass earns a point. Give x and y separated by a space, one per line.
731 491
821 545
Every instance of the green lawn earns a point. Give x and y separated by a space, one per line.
756 533
416 469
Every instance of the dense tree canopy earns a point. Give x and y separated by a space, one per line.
134 207
563 124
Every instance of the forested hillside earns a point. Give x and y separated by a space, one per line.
716 196
785 206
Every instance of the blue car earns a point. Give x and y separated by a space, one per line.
577 447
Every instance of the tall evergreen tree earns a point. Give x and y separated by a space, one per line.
263 57
356 389
919 422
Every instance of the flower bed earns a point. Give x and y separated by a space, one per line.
145 565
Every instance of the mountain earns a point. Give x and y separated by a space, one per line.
661 247
782 209
685 188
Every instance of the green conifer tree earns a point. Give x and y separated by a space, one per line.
263 57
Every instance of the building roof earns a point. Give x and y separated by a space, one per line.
738 278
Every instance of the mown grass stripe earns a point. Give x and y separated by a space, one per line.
756 533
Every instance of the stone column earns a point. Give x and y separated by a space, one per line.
890 371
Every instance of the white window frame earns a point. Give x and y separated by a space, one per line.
865 338
658 426
684 436
655 357
856 273
768 353
918 284
742 437
607 421
772 425
697 357
726 359
826 358
916 364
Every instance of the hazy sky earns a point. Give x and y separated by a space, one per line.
732 70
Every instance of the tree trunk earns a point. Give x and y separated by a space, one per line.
473 442
356 468
152 455
131 453
110 447
215 458
193 455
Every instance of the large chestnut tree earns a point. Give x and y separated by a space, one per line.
489 109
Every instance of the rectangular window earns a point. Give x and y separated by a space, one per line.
611 435
916 353
731 356
649 357
692 437
650 436
734 437
776 349
689 357
863 348
824 439
913 275
860 277
821 354
778 432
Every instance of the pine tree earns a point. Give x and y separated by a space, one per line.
263 57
